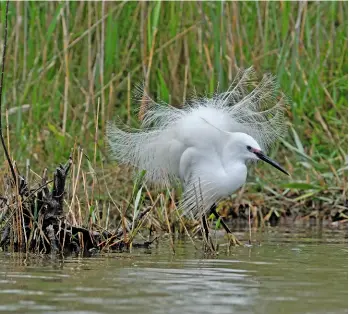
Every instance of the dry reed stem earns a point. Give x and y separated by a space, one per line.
143 107
181 221
101 68
168 224
75 185
66 62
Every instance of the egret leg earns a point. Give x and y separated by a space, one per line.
231 236
204 223
208 239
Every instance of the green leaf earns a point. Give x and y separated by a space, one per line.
218 223
136 209
138 181
138 197
91 209
304 196
295 149
302 186
156 15
54 22
164 93
298 141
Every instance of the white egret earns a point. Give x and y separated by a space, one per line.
205 145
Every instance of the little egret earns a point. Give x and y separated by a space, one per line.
205 145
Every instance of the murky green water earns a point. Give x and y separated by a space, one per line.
289 273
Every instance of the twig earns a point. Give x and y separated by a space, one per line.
249 224
168 226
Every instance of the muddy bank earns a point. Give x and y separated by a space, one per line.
38 220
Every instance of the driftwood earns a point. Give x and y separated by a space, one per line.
34 221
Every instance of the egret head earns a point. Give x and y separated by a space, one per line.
247 148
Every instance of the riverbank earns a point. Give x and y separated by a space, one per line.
80 212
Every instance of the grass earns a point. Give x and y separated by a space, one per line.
72 66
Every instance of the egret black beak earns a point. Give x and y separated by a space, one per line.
265 158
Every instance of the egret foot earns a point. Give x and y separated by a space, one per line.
232 239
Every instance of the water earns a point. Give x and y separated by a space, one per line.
292 272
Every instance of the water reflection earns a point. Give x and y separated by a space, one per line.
302 275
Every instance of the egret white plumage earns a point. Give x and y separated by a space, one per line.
205 145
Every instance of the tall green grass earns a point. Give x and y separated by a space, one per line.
65 57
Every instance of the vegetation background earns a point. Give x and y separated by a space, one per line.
72 66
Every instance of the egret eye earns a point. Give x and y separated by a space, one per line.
249 148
